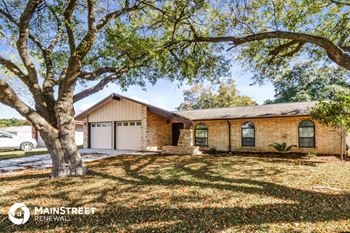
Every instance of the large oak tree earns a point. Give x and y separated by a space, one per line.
51 47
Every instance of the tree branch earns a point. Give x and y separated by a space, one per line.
345 48
23 38
31 82
74 66
8 16
107 18
44 105
282 47
98 87
46 52
117 73
340 3
93 75
13 68
68 23
59 32
85 45
294 51
335 53
9 98
77 54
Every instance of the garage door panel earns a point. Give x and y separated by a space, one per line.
101 135
128 136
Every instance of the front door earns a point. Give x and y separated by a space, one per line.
176 132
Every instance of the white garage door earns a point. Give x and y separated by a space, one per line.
128 135
101 135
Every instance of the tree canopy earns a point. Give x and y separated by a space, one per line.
223 94
335 113
309 82
269 36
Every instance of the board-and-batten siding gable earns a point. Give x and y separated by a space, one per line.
114 110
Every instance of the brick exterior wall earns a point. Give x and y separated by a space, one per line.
159 131
269 130
186 137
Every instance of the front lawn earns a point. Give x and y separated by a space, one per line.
19 153
190 193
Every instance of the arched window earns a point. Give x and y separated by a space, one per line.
248 134
201 135
306 134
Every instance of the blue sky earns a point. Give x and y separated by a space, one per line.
165 94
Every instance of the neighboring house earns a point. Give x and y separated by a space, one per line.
119 122
79 135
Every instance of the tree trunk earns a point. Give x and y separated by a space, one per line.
342 148
66 160
60 142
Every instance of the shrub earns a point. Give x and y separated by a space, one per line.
311 154
212 151
282 147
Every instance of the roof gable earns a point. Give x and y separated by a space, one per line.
117 97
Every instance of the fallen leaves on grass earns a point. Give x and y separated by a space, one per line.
190 193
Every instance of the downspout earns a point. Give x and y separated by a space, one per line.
88 124
229 135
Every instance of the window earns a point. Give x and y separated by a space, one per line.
129 123
3 135
248 134
201 135
306 134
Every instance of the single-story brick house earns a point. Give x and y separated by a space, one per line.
119 122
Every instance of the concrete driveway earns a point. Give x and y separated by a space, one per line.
44 161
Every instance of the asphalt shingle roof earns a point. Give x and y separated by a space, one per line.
269 110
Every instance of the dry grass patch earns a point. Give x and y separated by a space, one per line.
191 193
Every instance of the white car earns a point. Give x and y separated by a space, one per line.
10 141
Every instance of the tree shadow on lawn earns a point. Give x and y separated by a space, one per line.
288 158
306 206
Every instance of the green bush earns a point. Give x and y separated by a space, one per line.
282 147
212 151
